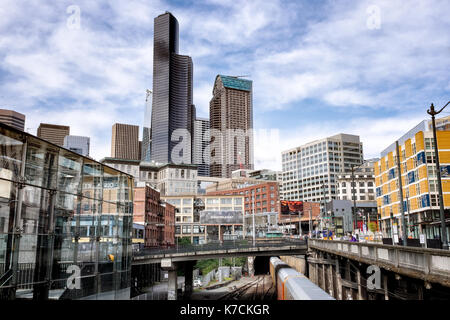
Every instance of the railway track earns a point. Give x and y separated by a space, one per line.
257 289
239 292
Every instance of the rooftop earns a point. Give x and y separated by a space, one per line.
236 83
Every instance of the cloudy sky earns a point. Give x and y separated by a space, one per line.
319 68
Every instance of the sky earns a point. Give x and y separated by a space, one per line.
319 68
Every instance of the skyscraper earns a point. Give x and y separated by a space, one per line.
13 119
77 144
201 153
172 106
53 133
146 131
125 142
231 123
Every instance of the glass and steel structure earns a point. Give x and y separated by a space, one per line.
65 223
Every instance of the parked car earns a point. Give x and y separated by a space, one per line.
197 283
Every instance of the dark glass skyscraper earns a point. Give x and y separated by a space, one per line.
172 106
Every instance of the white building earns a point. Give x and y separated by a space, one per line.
77 144
364 179
309 172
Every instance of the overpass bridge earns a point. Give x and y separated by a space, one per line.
345 269
185 257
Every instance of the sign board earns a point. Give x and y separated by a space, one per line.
221 217
291 207
166 263
395 238
422 239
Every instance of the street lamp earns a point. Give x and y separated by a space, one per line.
432 112
355 223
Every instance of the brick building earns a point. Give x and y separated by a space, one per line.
263 197
157 216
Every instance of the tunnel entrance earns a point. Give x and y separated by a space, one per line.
262 265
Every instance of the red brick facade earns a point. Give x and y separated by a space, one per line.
267 199
158 217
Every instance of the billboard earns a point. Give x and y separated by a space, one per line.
291 207
221 217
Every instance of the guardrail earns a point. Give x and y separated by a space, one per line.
225 245
428 264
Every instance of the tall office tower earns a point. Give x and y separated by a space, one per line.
310 171
125 142
53 133
77 144
231 124
172 108
146 131
201 153
13 119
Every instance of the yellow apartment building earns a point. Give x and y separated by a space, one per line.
419 182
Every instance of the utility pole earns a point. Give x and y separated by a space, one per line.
404 236
355 218
253 218
432 112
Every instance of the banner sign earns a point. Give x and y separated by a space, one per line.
221 217
291 207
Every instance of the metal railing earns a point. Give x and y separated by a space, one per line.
224 245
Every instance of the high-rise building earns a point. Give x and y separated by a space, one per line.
419 183
146 131
13 119
231 123
125 142
310 171
172 106
201 153
53 133
77 144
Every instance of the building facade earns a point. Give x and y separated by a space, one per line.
157 216
53 133
13 119
231 123
125 142
258 198
201 154
172 108
419 183
77 144
196 217
67 207
146 130
310 171
362 182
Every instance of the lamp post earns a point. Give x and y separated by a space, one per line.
433 112
355 223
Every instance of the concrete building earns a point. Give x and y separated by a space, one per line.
77 144
206 218
310 171
364 179
419 183
131 167
172 109
125 142
13 119
201 154
231 123
53 133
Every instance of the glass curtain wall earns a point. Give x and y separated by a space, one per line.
65 223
